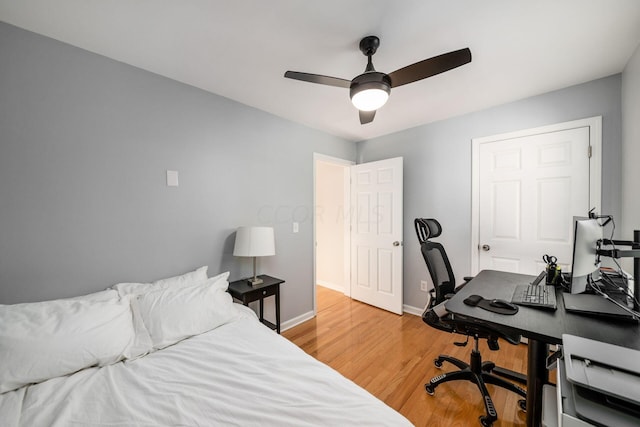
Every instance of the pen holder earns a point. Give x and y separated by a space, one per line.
551 273
554 275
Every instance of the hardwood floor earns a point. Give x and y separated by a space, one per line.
392 356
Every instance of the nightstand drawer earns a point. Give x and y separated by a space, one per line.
257 294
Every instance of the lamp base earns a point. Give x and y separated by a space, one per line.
255 281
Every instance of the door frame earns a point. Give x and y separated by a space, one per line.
322 158
595 169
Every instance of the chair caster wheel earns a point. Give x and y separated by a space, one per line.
429 389
437 363
485 421
522 404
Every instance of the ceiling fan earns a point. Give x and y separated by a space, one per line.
370 90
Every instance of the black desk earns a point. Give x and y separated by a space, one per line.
541 327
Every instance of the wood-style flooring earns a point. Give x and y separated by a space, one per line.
392 357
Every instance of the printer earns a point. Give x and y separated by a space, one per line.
598 384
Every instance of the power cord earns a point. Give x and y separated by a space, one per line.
609 219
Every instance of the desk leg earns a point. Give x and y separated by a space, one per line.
537 376
278 308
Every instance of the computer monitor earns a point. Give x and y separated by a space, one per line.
587 232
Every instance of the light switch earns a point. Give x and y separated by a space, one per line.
172 178
295 227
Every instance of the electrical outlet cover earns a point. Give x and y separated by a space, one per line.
172 178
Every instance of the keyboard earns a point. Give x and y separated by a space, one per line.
537 296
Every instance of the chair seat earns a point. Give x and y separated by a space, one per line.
457 324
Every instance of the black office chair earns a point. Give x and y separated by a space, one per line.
435 315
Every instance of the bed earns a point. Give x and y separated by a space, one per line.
176 352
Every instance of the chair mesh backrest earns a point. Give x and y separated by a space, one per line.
435 257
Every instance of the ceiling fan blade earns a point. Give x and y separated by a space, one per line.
430 67
367 116
317 78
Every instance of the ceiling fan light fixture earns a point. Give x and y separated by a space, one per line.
370 99
370 91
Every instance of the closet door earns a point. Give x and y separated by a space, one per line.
529 190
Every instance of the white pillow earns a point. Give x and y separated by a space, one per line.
48 339
142 343
171 315
106 295
221 281
188 279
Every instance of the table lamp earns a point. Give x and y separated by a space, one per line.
254 242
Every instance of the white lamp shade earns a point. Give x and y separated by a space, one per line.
254 241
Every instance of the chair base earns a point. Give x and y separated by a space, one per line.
480 374
509 374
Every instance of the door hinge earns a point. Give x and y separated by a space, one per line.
589 152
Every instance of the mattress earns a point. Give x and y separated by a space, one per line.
239 374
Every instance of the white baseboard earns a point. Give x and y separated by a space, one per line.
309 315
412 310
296 321
330 285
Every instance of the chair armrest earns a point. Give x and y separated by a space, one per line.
467 279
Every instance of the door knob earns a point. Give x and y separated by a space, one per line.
396 243
486 247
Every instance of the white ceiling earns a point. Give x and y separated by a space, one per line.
241 49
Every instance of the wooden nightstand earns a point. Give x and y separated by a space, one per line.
243 291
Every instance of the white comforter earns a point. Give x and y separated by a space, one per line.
240 374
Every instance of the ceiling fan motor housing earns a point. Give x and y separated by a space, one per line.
372 80
369 45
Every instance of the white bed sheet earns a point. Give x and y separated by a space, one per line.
240 374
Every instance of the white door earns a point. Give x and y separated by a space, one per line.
530 188
376 234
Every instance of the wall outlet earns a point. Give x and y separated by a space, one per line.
172 178
424 286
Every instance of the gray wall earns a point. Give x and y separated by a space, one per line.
437 165
631 149
85 143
